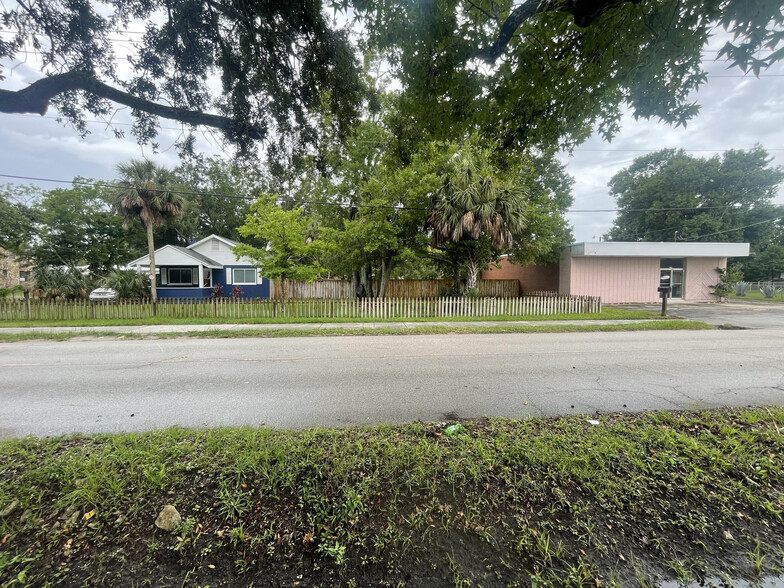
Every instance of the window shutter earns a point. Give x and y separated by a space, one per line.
228 276
195 276
255 276
164 276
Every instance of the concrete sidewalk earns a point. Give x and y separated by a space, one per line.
153 329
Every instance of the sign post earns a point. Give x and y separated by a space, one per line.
664 292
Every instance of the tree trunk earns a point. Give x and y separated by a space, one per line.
366 279
357 284
151 251
383 280
457 287
473 274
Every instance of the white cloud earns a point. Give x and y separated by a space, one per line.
736 113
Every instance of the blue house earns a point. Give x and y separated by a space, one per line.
193 271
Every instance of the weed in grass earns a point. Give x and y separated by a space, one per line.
579 575
234 504
539 546
458 580
756 557
334 551
238 537
187 535
244 565
154 547
680 569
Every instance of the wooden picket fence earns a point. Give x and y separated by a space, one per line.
341 289
360 309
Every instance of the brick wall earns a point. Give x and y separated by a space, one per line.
532 278
9 269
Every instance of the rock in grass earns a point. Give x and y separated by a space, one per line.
9 510
169 519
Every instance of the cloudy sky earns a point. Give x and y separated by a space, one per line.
737 112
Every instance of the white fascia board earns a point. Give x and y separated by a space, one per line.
171 256
228 242
661 249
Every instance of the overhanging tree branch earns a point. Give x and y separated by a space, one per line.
583 11
38 95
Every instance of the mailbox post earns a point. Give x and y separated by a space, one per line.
664 292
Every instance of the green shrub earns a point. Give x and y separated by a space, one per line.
741 288
769 290
55 283
728 278
127 283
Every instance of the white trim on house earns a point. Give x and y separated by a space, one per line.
661 249
244 269
172 255
228 242
180 269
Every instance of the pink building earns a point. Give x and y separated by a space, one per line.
622 272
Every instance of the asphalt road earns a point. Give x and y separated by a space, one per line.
740 313
49 388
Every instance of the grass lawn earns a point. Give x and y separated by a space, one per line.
757 295
545 327
606 314
545 502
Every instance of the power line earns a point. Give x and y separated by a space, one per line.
648 234
580 149
121 187
653 150
708 76
101 122
126 32
770 220
119 31
214 194
668 209
338 204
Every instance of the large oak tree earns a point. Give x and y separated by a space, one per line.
671 195
531 73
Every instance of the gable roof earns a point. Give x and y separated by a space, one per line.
228 242
188 256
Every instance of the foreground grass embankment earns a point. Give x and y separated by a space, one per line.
664 325
605 314
543 502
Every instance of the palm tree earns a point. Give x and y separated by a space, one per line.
476 204
145 194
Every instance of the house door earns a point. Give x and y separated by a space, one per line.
673 269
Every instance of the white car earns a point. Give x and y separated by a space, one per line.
103 294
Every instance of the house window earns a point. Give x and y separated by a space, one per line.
24 276
180 276
244 276
207 278
671 262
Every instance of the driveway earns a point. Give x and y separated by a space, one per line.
747 314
